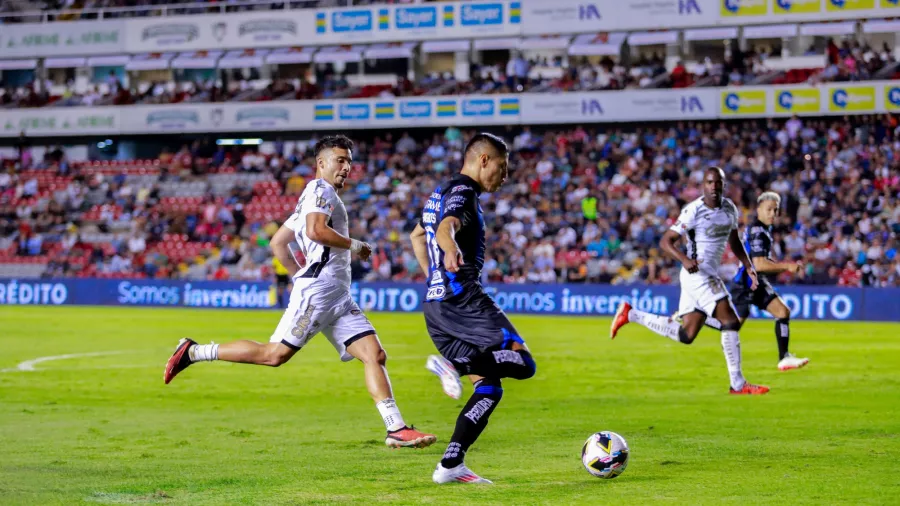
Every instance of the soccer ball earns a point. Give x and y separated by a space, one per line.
605 454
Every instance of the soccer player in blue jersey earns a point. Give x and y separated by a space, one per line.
758 242
472 334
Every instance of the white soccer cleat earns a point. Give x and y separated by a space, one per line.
791 362
444 370
458 474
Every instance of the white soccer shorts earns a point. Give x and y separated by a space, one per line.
322 306
701 292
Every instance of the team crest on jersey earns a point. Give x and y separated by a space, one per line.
436 278
435 292
323 204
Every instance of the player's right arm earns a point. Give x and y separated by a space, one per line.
420 247
317 230
759 245
669 240
446 239
766 266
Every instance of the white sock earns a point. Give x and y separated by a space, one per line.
662 325
204 352
712 322
731 346
390 413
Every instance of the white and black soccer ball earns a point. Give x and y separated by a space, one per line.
605 454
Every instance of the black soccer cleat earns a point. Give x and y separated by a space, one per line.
180 360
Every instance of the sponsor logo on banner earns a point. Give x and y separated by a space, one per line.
62 121
848 5
478 107
852 98
166 34
353 112
743 102
172 119
509 106
691 104
481 14
592 107
890 4
263 116
384 110
37 41
446 108
448 15
731 8
263 30
414 18
892 97
418 109
351 21
321 22
324 112
384 19
796 6
797 101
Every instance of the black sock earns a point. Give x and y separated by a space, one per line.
782 334
516 364
472 420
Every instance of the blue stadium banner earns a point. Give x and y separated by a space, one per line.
805 302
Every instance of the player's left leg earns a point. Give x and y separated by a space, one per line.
354 337
470 423
731 347
786 360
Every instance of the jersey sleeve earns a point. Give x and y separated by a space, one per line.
758 243
686 220
460 202
318 199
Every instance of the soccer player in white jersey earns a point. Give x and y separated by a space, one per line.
320 299
707 223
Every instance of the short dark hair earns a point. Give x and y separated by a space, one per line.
713 168
332 141
486 138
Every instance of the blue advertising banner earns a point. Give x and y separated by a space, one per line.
805 302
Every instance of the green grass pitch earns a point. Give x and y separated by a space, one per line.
104 429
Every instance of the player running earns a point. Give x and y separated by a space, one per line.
758 241
708 223
474 336
320 299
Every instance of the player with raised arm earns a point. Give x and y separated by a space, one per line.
758 241
473 335
707 223
320 299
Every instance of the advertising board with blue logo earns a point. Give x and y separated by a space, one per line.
632 105
805 302
466 110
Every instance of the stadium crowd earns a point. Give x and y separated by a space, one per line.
580 205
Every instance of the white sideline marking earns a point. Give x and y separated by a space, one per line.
28 365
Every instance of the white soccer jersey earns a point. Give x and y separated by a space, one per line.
322 262
707 231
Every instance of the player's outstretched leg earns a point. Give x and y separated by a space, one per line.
368 350
470 423
187 352
786 360
662 325
731 347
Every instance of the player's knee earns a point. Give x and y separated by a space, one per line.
490 386
275 356
374 356
381 357
781 312
686 336
732 325
530 368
